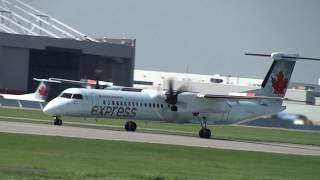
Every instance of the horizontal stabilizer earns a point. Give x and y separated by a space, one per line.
279 55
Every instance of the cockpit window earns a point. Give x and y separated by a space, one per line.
77 96
66 95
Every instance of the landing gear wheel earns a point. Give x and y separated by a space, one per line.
205 133
57 121
174 108
130 126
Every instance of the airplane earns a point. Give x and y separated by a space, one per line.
39 95
179 105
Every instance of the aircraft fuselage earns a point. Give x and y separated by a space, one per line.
150 105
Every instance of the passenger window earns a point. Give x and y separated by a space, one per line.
112 103
129 103
104 102
77 96
132 103
161 105
66 95
117 103
154 105
141 104
149 104
121 103
157 105
145 105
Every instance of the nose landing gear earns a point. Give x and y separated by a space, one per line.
57 121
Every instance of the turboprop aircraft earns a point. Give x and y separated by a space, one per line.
179 105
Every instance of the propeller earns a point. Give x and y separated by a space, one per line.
98 73
172 95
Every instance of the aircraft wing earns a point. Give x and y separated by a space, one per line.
68 81
85 83
233 97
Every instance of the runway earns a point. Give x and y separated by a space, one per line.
89 133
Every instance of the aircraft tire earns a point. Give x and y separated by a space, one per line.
57 122
205 133
130 126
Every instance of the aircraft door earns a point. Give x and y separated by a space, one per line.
95 100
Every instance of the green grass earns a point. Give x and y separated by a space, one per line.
220 131
43 157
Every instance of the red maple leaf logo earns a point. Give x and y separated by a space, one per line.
43 91
279 84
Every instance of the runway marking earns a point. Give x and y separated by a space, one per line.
89 133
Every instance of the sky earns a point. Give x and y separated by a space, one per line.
202 36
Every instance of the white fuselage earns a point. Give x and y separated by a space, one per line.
151 105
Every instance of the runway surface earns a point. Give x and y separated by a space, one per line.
89 133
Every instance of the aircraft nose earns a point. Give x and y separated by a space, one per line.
52 109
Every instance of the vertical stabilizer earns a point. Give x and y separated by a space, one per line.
276 82
42 90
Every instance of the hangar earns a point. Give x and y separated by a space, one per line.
23 57
35 45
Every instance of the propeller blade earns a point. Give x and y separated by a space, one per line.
98 73
170 87
171 96
97 86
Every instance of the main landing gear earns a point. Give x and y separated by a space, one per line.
130 126
57 121
204 131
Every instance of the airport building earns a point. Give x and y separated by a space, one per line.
35 45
